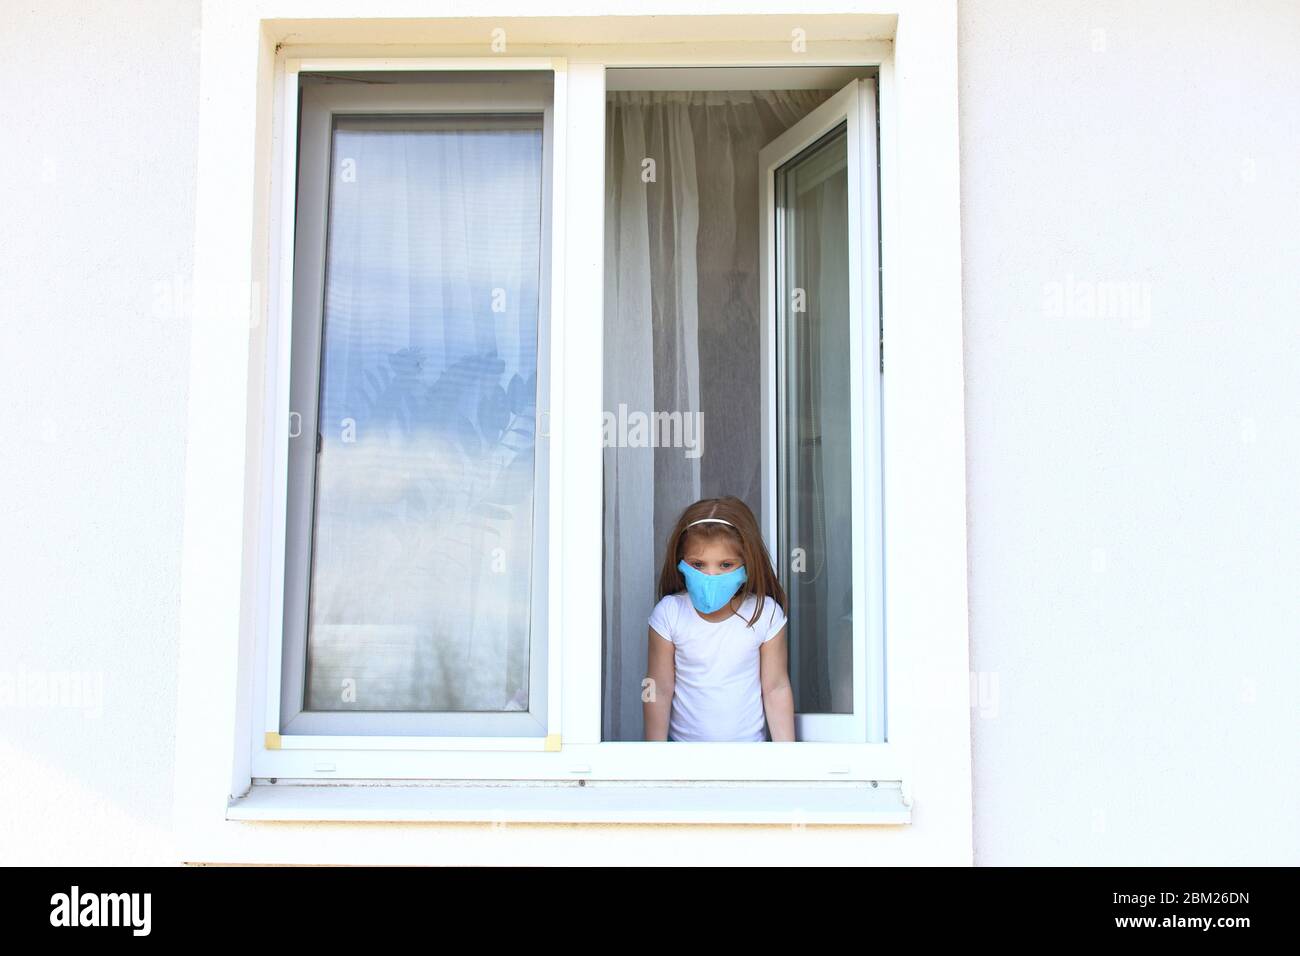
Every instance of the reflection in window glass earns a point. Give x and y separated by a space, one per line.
814 438
422 535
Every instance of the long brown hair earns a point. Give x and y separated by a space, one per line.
760 577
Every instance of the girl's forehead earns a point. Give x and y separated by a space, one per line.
703 547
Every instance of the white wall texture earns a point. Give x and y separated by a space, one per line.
98 120
1131 221
1132 504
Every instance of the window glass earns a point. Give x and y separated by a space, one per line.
422 530
814 429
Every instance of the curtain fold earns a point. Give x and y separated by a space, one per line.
681 336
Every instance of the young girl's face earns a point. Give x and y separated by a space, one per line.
712 555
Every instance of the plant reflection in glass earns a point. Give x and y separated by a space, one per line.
423 541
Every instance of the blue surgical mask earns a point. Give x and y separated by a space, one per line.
709 592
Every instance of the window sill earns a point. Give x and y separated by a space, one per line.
595 802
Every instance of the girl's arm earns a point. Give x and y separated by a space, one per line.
657 690
778 696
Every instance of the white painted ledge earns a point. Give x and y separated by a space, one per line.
596 802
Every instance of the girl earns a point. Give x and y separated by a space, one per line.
717 636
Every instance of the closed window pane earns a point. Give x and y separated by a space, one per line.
422 531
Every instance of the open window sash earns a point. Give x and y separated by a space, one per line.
821 410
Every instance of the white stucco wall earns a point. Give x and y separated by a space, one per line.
1132 504
1132 516
98 107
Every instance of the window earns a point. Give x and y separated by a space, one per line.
434 410
242 735
416 508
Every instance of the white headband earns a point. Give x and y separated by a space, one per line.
718 520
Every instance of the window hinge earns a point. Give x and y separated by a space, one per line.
318 443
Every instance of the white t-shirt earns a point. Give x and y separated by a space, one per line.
716 692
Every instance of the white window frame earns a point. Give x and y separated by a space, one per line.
224 689
298 757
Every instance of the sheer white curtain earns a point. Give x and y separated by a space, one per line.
681 335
